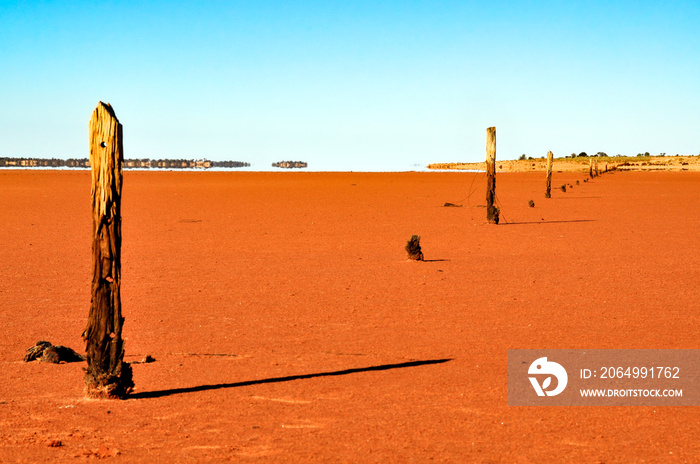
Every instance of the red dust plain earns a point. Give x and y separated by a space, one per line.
288 326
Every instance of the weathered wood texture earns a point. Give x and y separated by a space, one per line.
107 375
548 188
492 212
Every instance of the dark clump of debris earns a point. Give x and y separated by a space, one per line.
563 188
413 248
46 352
531 204
451 205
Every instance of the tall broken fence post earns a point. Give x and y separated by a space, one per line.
492 212
107 375
548 190
590 167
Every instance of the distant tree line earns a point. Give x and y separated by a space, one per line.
128 163
583 154
41 162
229 164
602 153
290 164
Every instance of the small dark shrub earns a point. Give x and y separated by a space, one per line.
531 204
413 248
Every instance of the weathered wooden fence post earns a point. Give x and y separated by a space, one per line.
107 375
492 212
548 191
590 167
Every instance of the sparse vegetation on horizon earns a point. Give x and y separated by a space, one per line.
290 164
580 162
142 163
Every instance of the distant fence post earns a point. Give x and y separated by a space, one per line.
107 375
492 212
596 168
590 167
548 191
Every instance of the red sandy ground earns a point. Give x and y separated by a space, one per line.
234 278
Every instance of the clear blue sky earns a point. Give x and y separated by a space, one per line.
351 84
